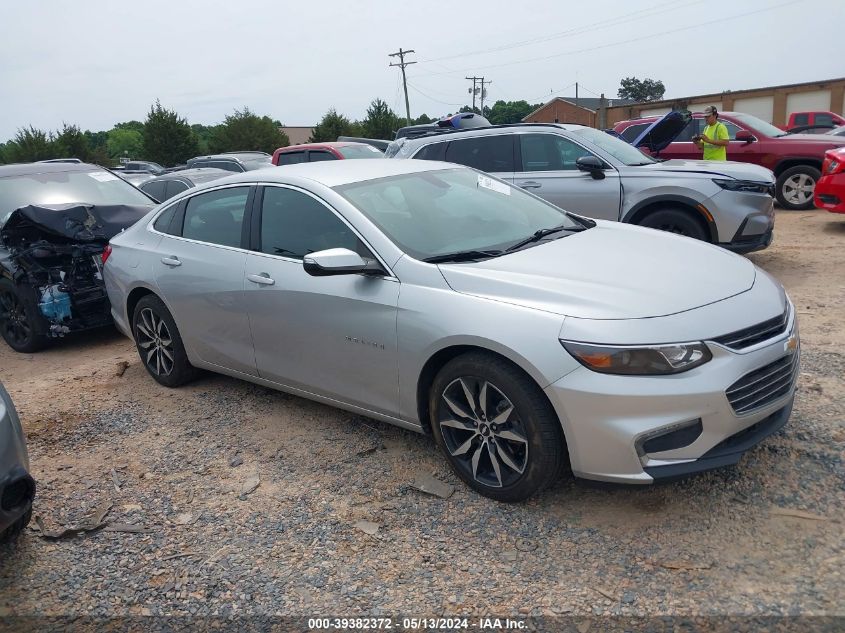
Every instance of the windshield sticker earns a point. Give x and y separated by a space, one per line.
493 185
102 176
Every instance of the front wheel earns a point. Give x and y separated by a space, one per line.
675 221
17 321
496 428
160 344
795 187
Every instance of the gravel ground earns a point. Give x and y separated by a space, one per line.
180 469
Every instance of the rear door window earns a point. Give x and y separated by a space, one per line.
174 187
155 188
486 153
633 131
216 217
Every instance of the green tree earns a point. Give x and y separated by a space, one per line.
137 126
168 139
203 134
124 142
422 119
380 122
29 145
331 126
245 130
505 112
70 142
645 90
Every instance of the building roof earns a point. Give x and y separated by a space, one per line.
587 103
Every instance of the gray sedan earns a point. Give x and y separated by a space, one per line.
17 488
526 340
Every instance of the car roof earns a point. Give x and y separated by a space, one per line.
446 133
334 173
25 169
232 156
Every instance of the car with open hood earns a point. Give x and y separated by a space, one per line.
526 340
592 173
795 159
55 222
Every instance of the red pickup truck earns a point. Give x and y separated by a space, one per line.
813 119
796 159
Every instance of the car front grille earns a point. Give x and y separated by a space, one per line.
763 386
756 333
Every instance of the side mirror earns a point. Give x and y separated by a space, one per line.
592 165
339 261
745 136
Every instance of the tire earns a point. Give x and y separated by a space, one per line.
13 531
159 343
675 221
795 187
524 441
17 320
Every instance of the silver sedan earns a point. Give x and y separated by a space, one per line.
526 340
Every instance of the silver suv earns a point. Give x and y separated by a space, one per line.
17 488
590 172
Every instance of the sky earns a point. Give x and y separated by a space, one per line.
94 63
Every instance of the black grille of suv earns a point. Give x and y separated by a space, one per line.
756 333
763 386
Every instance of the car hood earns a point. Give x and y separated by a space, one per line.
662 132
611 271
720 169
816 139
73 222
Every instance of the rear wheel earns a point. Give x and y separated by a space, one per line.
795 187
160 344
675 221
496 428
17 321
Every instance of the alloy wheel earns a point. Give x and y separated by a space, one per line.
482 431
155 341
16 328
798 189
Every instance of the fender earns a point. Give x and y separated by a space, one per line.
635 213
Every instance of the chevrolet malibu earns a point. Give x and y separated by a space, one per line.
524 339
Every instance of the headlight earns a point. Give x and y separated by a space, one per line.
747 186
656 360
832 167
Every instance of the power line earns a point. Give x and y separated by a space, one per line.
720 20
402 63
432 98
616 21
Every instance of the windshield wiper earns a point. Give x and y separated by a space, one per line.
539 235
462 256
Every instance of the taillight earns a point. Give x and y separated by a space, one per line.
106 253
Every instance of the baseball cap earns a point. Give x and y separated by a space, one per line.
710 110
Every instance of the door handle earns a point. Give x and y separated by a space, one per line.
262 279
530 184
171 261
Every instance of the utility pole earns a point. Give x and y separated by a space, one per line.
483 93
473 90
576 93
402 63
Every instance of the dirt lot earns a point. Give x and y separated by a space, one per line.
763 538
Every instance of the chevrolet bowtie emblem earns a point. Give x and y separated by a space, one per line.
791 344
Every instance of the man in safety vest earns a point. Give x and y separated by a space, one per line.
714 139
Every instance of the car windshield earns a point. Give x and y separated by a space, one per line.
623 152
90 187
435 213
360 151
759 125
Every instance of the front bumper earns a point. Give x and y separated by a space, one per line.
17 488
752 243
610 421
17 491
745 222
830 193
